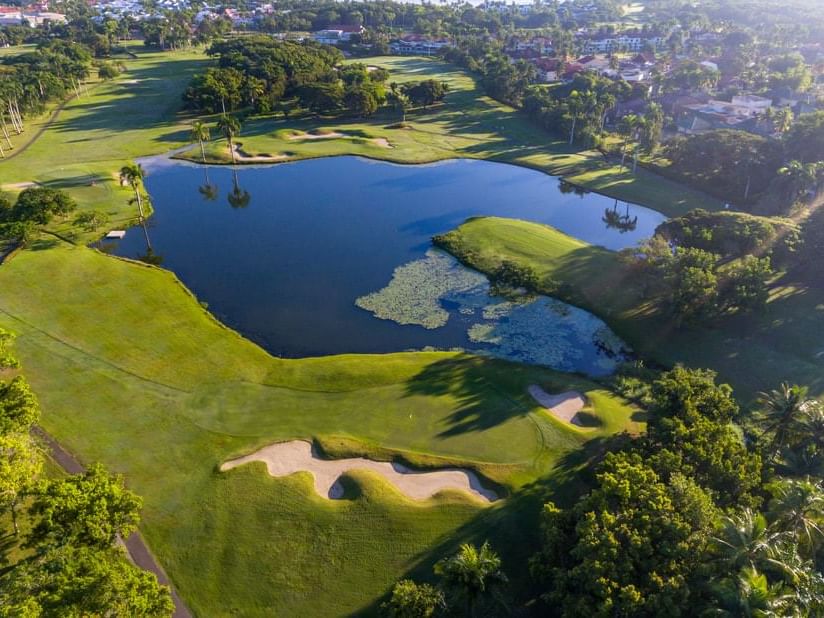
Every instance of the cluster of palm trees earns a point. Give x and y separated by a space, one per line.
768 558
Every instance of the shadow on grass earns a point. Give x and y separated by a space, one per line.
469 380
513 529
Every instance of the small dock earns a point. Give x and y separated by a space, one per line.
115 234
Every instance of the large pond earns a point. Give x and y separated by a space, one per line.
334 255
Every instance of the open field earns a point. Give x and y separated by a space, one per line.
752 352
132 371
467 125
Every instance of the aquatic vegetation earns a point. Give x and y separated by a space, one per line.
531 329
413 295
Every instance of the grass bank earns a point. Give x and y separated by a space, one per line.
752 352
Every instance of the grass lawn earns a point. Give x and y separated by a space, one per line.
83 149
131 371
752 352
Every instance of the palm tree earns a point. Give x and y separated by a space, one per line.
133 175
798 508
575 105
472 573
229 126
628 127
744 540
782 413
200 133
747 595
801 177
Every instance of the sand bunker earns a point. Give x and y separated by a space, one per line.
330 135
382 142
285 458
247 158
14 186
564 406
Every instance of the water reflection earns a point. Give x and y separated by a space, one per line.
238 197
567 188
622 222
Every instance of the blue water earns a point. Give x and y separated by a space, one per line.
284 260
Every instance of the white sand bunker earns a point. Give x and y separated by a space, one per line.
14 186
382 142
329 135
564 406
285 458
263 158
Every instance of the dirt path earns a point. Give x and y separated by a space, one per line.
564 406
137 549
285 458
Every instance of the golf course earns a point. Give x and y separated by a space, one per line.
131 369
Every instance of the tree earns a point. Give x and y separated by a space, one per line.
133 176
782 411
82 581
91 220
200 134
411 600
360 101
91 509
801 178
426 92
472 575
39 204
7 360
694 285
401 103
18 406
805 140
229 126
20 464
629 547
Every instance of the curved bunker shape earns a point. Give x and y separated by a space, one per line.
285 458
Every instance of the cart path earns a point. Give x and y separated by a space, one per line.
136 547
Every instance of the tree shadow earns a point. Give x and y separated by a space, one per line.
480 386
513 527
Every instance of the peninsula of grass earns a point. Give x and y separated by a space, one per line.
752 352
133 372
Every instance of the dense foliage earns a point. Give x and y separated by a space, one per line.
73 565
672 527
734 165
732 234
